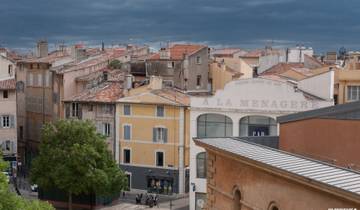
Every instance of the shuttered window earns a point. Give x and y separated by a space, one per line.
127 132
160 135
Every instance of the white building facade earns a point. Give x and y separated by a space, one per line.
246 107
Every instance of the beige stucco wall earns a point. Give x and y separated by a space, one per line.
8 107
246 70
346 78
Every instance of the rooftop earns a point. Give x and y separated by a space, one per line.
107 92
177 51
164 96
328 177
341 111
228 52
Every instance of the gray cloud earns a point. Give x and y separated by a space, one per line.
324 24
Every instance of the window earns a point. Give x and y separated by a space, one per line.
7 145
353 93
201 165
257 126
10 70
6 121
160 111
160 135
236 200
160 159
214 125
106 129
107 108
5 94
127 156
127 109
127 132
198 80
91 107
198 60
74 109
171 64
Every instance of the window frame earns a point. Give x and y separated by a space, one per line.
5 123
160 132
74 109
198 80
106 129
156 158
350 93
123 160
5 93
124 108
157 110
198 60
203 123
201 174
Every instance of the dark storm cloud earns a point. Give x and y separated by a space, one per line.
323 24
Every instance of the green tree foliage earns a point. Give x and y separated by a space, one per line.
115 64
74 158
11 201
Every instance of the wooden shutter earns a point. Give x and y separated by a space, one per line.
80 111
12 121
1 121
67 110
154 134
165 135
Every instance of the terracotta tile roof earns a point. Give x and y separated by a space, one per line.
107 92
165 96
114 75
177 51
9 84
281 68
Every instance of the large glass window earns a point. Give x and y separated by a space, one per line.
258 126
201 165
214 125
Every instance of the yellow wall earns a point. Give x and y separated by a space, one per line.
219 76
246 70
142 120
346 78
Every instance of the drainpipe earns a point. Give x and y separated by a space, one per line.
181 151
116 134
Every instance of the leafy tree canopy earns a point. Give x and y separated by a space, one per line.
74 158
115 64
11 201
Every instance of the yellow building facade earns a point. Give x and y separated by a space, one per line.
347 86
153 128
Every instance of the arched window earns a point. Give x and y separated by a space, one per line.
201 165
214 125
257 126
236 201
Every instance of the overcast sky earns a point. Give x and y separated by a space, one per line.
322 24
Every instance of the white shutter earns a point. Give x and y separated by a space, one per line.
1 122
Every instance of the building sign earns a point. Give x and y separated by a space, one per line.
259 94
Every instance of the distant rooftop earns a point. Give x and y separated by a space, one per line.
177 51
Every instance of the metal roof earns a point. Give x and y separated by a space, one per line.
312 170
341 111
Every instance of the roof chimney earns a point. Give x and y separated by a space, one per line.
129 81
165 53
42 49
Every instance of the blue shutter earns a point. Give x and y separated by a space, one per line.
165 135
154 134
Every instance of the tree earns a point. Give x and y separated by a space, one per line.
10 201
74 158
115 64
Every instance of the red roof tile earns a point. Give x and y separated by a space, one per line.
177 51
104 93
